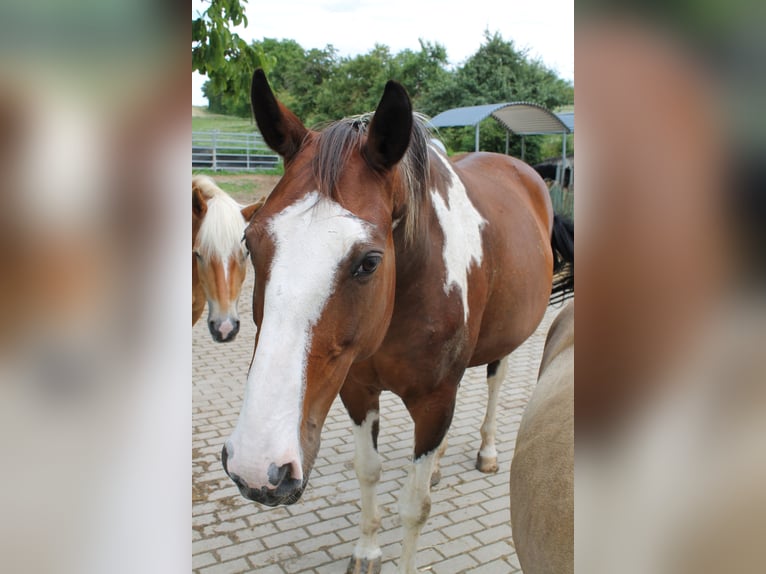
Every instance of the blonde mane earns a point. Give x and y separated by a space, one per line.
220 233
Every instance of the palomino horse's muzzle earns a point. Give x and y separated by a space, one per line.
223 330
284 488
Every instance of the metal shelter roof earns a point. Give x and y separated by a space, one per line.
522 118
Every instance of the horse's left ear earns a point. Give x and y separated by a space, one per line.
390 128
199 205
248 211
281 129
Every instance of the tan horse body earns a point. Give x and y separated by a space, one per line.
542 471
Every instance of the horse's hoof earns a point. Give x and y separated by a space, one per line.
363 566
436 477
486 464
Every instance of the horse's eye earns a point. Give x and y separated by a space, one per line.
368 265
198 256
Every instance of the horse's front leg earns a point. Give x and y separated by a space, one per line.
432 416
367 555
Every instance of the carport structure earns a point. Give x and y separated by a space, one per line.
519 118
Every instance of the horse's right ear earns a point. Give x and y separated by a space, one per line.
280 128
199 205
390 129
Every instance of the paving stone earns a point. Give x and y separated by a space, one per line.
284 538
210 544
459 563
270 569
240 549
488 553
317 543
306 563
494 567
233 567
203 559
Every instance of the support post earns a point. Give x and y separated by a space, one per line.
215 151
477 138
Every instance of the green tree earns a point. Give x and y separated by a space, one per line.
421 71
224 57
319 86
355 86
496 73
499 72
297 74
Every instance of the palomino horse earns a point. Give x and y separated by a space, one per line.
542 471
219 259
380 265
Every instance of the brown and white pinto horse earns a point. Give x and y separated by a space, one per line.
380 265
219 259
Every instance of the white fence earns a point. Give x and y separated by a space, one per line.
231 151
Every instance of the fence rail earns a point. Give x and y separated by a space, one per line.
218 150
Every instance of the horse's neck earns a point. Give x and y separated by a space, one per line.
413 253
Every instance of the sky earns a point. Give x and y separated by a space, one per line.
544 27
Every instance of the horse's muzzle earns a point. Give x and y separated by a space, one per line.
286 490
224 331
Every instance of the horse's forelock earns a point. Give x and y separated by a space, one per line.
337 142
220 233
206 186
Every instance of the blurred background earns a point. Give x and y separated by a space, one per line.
670 400
95 404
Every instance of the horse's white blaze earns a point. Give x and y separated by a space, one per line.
461 225
311 238
367 466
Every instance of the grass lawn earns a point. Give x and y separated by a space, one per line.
245 187
204 121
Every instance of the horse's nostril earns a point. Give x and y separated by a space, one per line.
224 458
279 475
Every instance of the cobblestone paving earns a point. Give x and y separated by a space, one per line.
469 528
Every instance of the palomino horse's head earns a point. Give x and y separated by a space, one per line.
219 260
323 251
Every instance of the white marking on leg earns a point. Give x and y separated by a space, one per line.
414 508
312 237
461 225
367 466
488 451
436 474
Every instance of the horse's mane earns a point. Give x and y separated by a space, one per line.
339 139
221 230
